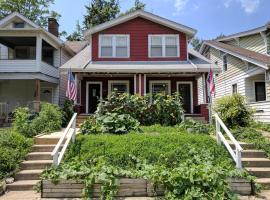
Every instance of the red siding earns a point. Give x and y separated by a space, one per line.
139 29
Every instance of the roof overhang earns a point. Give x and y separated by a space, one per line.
146 15
244 58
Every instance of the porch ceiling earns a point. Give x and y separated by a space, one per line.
18 41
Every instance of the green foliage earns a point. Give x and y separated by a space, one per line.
260 126
77 35
193 126
67 111
117 123
89 126
233 110
49 119
196 43
164 109
37 11
189 166
100 11
138 5
13 148
22 121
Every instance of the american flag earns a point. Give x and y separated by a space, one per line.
71 92
211 83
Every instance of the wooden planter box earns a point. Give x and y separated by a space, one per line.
127 188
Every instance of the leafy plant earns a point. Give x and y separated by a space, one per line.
22 121
67 112
193 126
117 123
233 110
90 126
13 148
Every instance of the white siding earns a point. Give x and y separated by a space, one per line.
62 87
18 66
262 111
65 57
250 86
3 52
200 86
49 70
254 43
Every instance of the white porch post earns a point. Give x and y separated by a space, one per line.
38 52
204 88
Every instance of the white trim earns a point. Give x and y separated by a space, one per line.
8 18
144 84
140 84
163 38
135 77
114 36
87 92
159 81
191 91
117 81
146 15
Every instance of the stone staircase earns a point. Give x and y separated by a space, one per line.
36 161
256 163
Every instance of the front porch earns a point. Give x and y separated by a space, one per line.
92 87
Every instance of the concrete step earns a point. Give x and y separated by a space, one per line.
22 185
252 153
28 174
256 162
260 172
39 156
43 148
46 141
244 145
35 164
265 182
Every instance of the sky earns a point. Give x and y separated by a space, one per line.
209 17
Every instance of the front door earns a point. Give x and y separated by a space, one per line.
93 97
185 91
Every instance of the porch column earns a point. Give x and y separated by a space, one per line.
36 102
38 51
140 84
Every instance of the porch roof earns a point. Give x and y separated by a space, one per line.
196 63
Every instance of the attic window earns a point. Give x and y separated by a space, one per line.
18 24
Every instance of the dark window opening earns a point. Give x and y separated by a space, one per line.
234 88
47 55
225 63
18 25
24 52
260 93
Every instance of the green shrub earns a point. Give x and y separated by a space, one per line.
13 148
22 121
67 112
48 120
233 110
90 126
164 109
193 126
117 123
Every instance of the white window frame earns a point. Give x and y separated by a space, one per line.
87 92
114 36
191 92
163 36
223 64
110 82
151 82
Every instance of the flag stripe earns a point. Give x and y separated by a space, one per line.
71 91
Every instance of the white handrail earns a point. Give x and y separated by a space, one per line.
236 155
69 135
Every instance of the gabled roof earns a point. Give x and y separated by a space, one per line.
13 15
146 15
239 52
246 33
76 46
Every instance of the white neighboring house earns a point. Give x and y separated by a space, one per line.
30 57
245 62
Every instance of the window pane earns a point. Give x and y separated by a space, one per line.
106 51
106 41
156 51
119 87
171 40
121 52
122 41
160 88
234 88
171 51
225 65
260 91
21 53
156 40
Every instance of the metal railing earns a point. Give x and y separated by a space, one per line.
67 136
236 154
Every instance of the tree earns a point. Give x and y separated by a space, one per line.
196 43
100 11
138 5
36 10
221 35
77 35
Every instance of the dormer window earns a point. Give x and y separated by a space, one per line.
163 46
18 25
114 46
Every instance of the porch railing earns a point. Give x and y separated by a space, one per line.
68 136
236 155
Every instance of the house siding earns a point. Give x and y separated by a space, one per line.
268 45
139 29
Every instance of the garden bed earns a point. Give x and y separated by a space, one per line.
126 188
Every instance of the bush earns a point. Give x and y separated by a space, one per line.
48 120
90 126
117 123
67 112
13 148
193 126
233 110
21 122
164 109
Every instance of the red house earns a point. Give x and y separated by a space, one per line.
139 53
